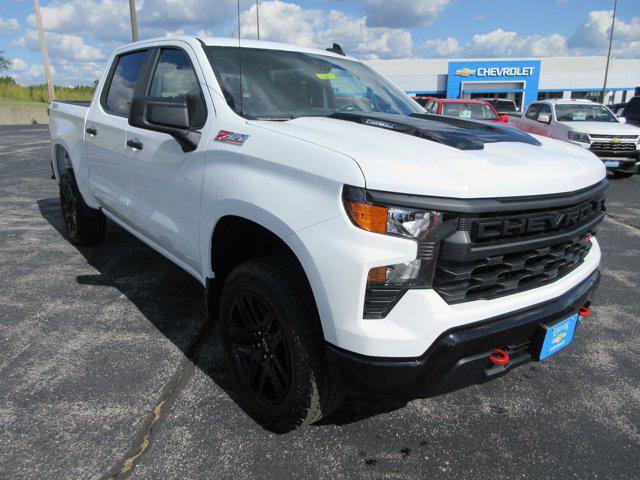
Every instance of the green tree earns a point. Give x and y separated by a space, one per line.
5 63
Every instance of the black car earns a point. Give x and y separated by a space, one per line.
617 108
631 111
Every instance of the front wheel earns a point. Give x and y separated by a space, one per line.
274 345
85 225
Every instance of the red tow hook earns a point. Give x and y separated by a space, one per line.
584 312
499 357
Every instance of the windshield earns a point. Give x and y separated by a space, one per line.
584 113
278 84
476 111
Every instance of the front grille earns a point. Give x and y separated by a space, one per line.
613 147
509 273
621 137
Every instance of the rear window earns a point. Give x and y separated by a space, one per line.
475 111
504 105
123 82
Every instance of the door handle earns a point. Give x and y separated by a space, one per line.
91 131
134 144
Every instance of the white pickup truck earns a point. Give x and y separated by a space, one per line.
589 125
347 240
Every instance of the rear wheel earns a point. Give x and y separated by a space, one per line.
85 225
274 345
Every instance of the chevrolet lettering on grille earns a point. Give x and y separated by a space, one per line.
495 229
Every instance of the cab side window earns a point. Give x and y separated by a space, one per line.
545 109
175 78
532 111
123 82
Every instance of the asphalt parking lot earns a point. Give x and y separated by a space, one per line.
109 369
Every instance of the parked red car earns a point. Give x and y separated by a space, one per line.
464 108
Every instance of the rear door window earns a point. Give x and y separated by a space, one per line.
123 82
175 78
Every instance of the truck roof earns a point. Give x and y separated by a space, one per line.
568 101
233 42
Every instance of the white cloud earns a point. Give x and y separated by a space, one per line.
10 25
19 65
481 17
62 46
290 23
448 47
402 13
592 36
500 43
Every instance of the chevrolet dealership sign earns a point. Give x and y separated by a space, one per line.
518 76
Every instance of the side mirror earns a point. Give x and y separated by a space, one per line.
544 118
504 118
622 119
166 116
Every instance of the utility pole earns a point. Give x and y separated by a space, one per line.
134 20
258 17
45 54
606 70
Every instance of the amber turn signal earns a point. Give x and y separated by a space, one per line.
368 217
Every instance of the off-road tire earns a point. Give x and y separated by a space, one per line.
312 392
84 225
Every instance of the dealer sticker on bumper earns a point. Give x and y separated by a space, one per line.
558 336
611 163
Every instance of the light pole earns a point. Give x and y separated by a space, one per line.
606 69
134 20
45 53
258 17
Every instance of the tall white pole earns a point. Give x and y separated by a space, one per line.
45 53
258 17
606 70
134 20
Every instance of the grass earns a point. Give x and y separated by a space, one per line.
14 94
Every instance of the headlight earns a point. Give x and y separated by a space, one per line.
578 137
386 219
387 283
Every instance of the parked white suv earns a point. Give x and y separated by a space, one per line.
347 240
589 125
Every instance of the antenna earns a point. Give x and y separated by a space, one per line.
240 61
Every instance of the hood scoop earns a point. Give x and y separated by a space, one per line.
453 132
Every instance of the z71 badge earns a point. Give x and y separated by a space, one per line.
231 137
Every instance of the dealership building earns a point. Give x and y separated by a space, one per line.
523 80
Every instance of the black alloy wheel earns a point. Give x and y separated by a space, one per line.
260 348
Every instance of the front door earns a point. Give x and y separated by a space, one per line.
164 181
106 130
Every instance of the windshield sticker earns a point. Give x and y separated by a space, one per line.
580 116
465 114
231 137
326 76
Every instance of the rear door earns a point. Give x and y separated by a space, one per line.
165 182
106 130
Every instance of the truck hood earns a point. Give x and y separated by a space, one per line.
399 162
603 128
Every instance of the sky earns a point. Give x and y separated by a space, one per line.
82 33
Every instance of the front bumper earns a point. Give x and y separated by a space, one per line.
460 356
